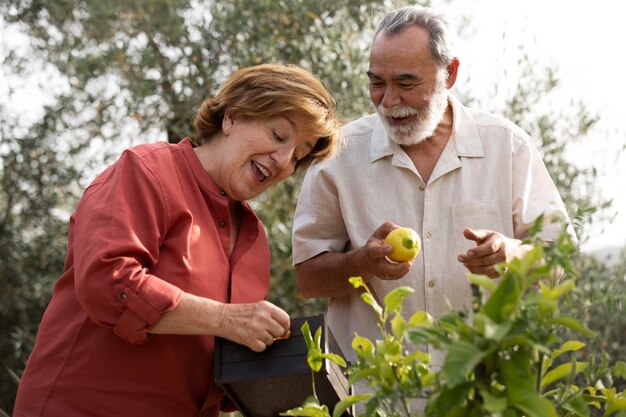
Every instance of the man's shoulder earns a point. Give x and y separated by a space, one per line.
362 126
355 145
486 120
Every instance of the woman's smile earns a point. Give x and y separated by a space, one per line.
260 171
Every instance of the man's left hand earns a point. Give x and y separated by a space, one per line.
491 249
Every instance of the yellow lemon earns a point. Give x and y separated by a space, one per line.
405 242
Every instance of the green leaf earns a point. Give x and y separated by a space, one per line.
420 319
569 346
362 374
610 393
490 329
418 336
535 406
369 299
563 288
306 334
310 408
398 325
386 374
492 403
389 349
348 402
504 301
517 377
562 371
363 347
394 298
619 369
317 339
315 360
577 405
418 356
614 405
314 355
443 403
573 324
462 357
529 260
333 357
483 281
510 412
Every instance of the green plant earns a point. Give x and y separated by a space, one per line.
507 358
315 358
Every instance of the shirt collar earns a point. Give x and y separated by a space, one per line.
381 146
464 131
464 135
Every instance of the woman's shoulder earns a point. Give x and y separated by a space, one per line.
159 149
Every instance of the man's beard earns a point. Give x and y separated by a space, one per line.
423 125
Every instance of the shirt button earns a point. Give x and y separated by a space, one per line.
421 187
429 235
222 223
431 284
123 295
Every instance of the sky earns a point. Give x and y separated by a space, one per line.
583 41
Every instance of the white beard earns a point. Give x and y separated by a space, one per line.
423 126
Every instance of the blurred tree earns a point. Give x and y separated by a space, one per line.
555 127
36 185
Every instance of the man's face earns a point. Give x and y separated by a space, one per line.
407 87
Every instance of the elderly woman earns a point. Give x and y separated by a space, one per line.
164 254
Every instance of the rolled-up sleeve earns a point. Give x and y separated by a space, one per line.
535 194
318 224
118 228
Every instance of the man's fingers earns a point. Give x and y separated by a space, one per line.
477 235
383 230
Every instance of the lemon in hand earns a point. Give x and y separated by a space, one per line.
405 242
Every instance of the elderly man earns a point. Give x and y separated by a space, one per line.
469 182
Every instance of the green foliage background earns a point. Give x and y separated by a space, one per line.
133 72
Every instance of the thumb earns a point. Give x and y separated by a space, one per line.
477 235
383 230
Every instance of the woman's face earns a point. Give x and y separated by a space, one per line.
259 153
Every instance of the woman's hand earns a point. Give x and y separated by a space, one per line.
254 325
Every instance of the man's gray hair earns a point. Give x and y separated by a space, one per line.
442 34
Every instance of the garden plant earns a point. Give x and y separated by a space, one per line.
508 357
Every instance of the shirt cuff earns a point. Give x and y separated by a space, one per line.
144 308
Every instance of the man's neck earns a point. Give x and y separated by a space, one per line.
426 153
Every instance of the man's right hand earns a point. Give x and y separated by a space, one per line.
372 257
326 275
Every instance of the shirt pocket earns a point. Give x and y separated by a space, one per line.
481 214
